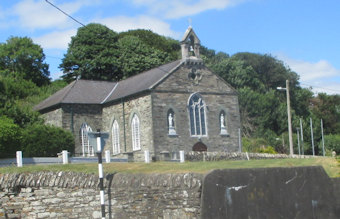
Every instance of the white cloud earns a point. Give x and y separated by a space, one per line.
57 75
321 75
34 14
56 40
123 23
181 8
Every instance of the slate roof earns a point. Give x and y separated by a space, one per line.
101 92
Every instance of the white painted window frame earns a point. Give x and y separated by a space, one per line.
135 129
115 138
87 148
200 104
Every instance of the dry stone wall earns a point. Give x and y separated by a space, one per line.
217 156
76 195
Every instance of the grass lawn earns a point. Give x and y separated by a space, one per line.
331 165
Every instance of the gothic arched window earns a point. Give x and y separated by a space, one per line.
196 107
135 133
87 148
115 138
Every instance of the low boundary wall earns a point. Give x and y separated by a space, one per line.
301 192
216 156
76 195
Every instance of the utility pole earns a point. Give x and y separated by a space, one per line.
323 140
301 129
298 139
311 134
290 132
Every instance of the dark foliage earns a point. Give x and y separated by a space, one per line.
46 141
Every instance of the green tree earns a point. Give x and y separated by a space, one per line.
136 57
327 107
155 41
332 143
92 54
10 137
269 70
46 141
21 58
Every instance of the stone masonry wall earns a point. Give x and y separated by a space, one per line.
174 94
217 156
74 115
76 195
53 117
140 106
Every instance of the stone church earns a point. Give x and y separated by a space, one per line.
181 105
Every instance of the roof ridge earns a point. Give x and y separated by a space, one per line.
167 74
114 88
157 67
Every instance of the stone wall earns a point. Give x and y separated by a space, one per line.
217 156
53 117
76 195
299 192
74 115
218 97
128 107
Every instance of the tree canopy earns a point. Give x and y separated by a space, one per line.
98 53
92 54
21 58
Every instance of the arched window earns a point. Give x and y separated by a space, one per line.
135 133
196 107
115 138
87 148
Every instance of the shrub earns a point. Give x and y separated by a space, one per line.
268 150
255 145
9 137
46 141
332 142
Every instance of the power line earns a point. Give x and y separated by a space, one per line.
65 13
313 86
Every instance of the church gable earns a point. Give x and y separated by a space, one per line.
191 75
194 78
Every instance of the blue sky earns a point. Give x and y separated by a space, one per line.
304 34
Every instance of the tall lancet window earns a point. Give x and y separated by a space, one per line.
87 148
196 108
135 133
115 138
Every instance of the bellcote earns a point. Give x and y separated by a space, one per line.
190 46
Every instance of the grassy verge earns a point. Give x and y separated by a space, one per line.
331 166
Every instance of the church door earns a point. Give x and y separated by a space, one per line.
200 147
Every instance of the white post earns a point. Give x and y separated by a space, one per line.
181 156
19 158
311 134
107 156
323 140
65 156
301 127
239 141
101 173
147 156
290 132
298 139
